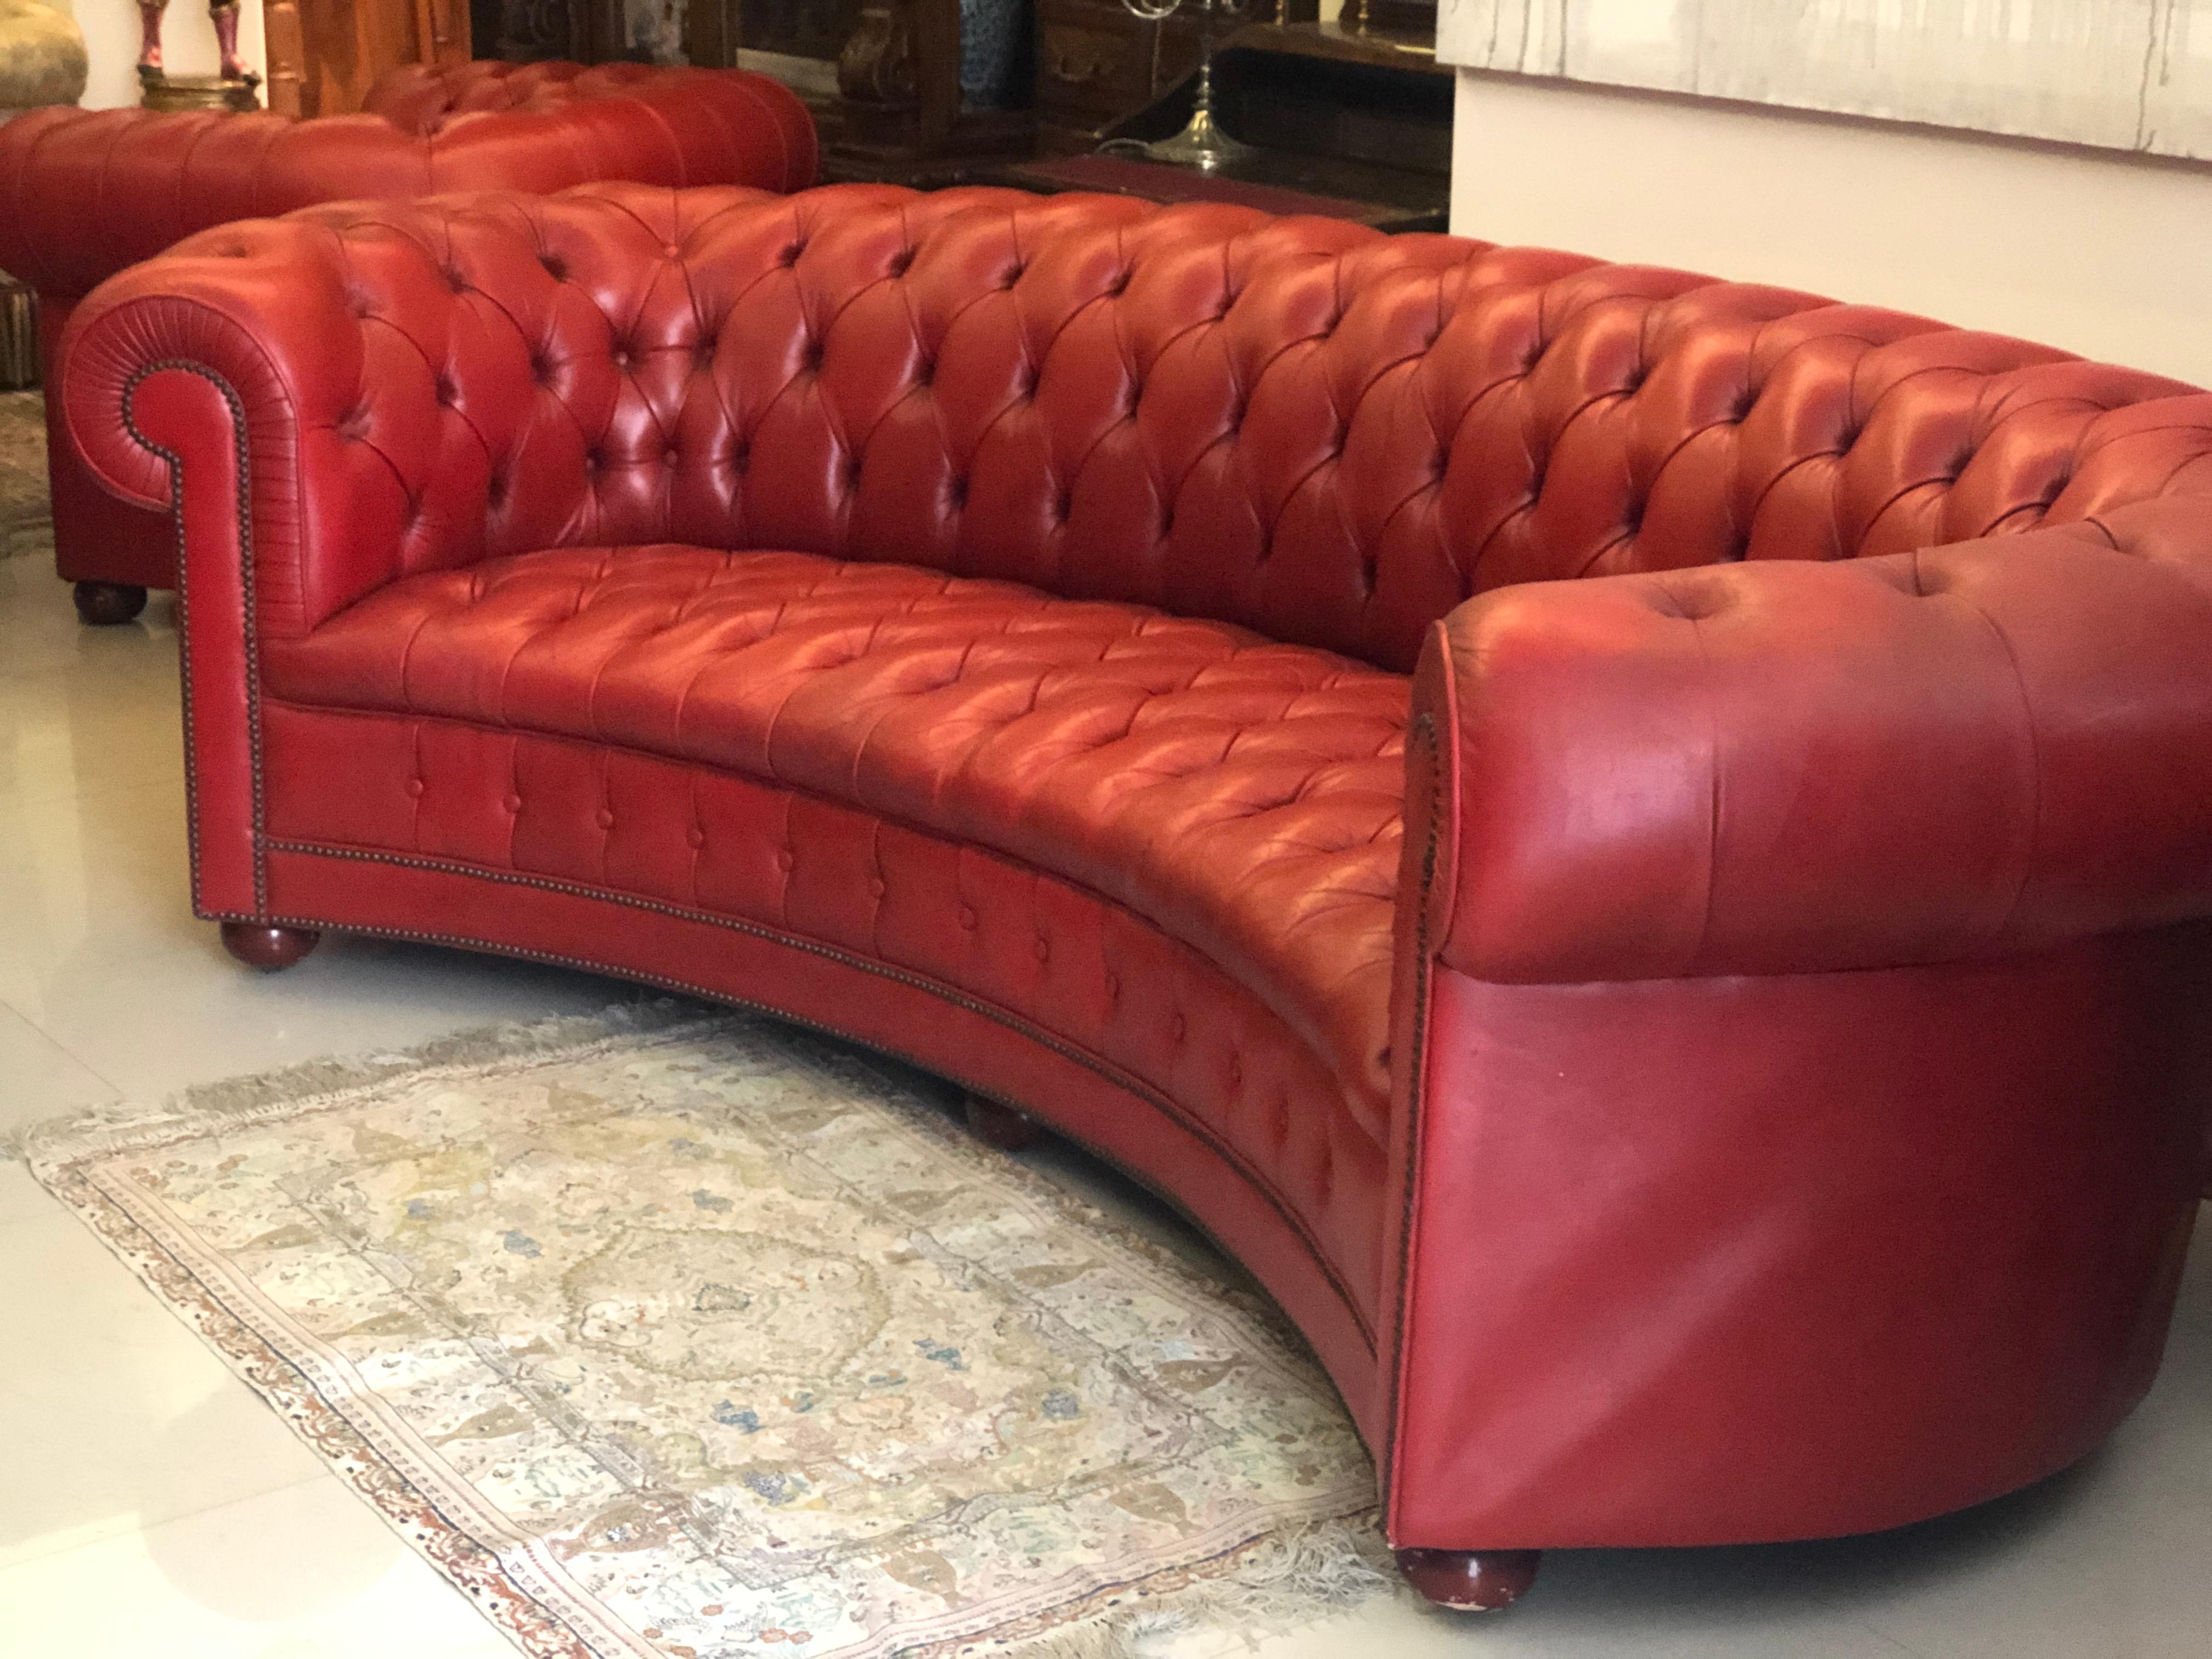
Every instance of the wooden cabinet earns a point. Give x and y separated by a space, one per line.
1098 61
324 54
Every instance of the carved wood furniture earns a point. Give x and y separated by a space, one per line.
85 193
325 55
1635 846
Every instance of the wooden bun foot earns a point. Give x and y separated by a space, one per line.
1470 1581
268 949
105 603
998 1126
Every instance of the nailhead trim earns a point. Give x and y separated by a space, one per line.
252 643
1421 735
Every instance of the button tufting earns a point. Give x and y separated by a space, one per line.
513 805
606 818
1043 949
784 860
694 837
415 787
876 887
669 457
966 918
1181 1028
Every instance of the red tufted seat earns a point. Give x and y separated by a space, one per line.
1635 846
86 193
1241 795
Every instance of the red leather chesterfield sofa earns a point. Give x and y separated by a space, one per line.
83 194
1635 846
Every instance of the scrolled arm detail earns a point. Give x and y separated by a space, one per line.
342 488
1971 752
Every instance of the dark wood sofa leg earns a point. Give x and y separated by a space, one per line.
104 604
268 949
999 1125
1484 1581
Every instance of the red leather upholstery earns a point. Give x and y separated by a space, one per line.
980 624
86 193
1915 758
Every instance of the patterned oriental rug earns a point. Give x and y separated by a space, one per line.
677 1332
26 521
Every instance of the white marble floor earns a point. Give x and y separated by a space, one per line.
150 1506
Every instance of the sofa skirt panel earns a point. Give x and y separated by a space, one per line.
1785 1257
1020 985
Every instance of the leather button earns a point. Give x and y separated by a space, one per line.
1044 950
695 836
415 786
1113 988
876 887
513 805
966 918
669 455
784 860
1180 1028
606 818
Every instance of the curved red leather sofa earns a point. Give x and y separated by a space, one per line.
86 193
1635 846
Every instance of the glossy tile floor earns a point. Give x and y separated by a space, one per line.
150 1506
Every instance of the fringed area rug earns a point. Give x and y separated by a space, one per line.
681 1333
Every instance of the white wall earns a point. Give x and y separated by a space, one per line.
111 41
2096 253
2126 73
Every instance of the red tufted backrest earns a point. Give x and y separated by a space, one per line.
1296 424
423 99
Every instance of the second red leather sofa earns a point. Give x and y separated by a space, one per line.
84 194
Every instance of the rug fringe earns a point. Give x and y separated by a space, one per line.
97 1130
1281 1585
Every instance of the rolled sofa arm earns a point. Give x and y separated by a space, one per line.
1781 768
340 488
397 372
